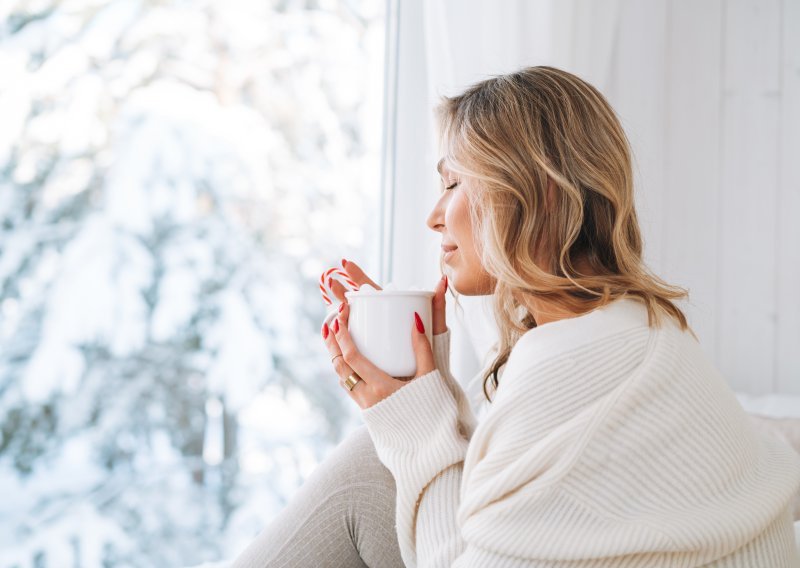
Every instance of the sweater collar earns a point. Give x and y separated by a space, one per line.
621 313
555 338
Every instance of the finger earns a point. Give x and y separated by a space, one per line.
337 289
422 348
330 339
339 364
352 356
357 274
439 306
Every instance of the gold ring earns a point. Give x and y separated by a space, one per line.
335 356
351 381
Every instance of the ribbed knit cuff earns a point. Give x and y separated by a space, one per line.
411 412
419 421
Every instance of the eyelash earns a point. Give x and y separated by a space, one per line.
451 186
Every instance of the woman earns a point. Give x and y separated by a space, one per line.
608 438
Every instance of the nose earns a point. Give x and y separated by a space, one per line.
436 217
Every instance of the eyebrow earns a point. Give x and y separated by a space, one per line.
439 166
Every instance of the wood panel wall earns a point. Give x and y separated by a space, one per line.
709 93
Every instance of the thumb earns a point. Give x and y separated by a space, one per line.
422 348
439 307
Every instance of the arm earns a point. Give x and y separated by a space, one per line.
421 434
441 356
416 435
438 537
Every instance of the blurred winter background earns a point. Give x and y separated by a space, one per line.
174 176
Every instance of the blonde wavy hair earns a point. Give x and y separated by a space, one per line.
517 137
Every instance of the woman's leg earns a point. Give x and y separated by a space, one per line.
344 515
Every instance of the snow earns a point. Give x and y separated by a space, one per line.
98 292
241 355
169 175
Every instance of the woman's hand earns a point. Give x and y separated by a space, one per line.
376 385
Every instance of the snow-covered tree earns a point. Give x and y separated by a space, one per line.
174 176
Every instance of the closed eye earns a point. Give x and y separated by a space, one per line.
452 185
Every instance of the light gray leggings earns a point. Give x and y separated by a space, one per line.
343 516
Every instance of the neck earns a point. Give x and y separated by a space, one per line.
546 312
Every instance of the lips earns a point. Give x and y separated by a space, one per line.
448 251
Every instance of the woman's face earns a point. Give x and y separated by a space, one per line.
451 218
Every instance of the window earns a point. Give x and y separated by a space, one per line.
174 176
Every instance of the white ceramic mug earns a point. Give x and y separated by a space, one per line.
381 323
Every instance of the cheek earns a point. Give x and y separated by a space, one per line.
457 219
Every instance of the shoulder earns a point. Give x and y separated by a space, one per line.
616 327
573 366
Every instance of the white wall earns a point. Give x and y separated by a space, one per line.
709 94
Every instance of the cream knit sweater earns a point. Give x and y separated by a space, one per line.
607 443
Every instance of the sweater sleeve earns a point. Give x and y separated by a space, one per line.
417 437
441 355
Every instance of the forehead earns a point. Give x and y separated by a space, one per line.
441 167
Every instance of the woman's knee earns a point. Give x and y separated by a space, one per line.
371 496
349 499
355 459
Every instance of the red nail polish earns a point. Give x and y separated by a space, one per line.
336 326
324 331
418 321
445 283
341 307
344 263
